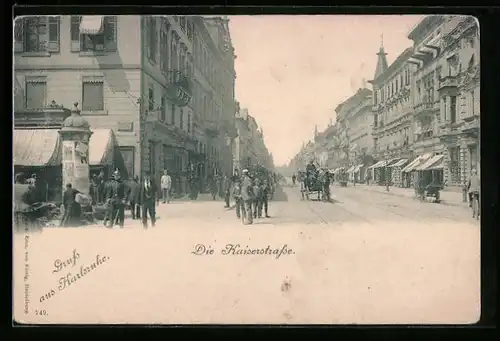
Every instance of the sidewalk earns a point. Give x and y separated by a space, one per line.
449 198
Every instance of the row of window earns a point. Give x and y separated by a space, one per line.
166 48
35 94
393 86
42 34
169 113
219 77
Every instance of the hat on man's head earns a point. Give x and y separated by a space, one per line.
245 171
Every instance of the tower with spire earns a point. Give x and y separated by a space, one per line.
381 60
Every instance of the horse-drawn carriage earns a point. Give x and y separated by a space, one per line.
315 182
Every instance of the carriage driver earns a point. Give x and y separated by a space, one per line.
311 167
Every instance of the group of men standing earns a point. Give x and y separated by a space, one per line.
115 193
251 195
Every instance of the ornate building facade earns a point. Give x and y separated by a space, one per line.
459 94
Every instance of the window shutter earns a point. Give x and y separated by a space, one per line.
19 35
75 33
53 29
110 31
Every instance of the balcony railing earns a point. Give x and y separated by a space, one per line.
426 107
447 82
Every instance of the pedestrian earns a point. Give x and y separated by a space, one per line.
101 187
227 191
258 199
166 185
116 198
213 187
265 197
247 197
72 210
294 178
133 198
148 200
473 186
237 197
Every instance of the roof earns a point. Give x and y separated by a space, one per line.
361 93
381 63
403 56
101 147
422 25
36 147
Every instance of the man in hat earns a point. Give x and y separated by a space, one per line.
133 197
148 200
117 198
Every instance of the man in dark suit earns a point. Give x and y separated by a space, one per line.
117 197
133 197
72 210
148 200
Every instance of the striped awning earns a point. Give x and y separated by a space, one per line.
91 24
377 165
357 168
101 147
436 162
415 163
351 169
36 147
399 163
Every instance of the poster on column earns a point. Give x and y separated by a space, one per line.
278 243
68 162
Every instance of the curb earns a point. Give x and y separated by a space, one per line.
443 202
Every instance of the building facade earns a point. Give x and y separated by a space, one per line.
426 57
249 148
392 116
353 133
131 74
459 95
214 91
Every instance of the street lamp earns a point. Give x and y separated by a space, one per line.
386 169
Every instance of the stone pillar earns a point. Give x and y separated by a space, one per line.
447 169
75 135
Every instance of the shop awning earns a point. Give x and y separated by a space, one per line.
101 147
338 170
399 163
358 167
36 147
380 164
434 163
351 169
91 24
415 163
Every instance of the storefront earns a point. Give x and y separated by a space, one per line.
407 172
396 171
39 152
104 154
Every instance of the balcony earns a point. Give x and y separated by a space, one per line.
212 128
179 89
448 83
51 116
426 108
471 125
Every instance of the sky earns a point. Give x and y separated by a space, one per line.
293 71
